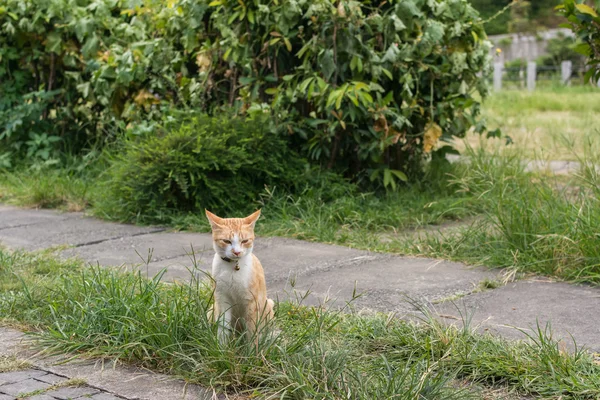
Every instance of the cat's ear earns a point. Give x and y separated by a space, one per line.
252 218
213 219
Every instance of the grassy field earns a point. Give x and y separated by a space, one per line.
308 353
557 123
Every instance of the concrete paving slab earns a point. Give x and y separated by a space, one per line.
386 283
162 245
74 230
7 378
571 310
20 388
11 217
117 379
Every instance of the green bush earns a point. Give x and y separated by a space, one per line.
363 87
367 88
193 162
584 21
48 52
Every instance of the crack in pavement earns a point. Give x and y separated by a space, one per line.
30 224
93 242
330 266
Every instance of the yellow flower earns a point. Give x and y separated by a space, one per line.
433 132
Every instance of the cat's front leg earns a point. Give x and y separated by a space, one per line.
224 326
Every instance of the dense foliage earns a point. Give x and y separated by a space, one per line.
193 161
585 22
365 88
522 16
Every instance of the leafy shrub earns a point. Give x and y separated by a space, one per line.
193 162
585 22
360 86
47 53
367 88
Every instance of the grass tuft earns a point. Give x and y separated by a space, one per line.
12 363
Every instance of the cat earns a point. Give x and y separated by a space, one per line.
240 292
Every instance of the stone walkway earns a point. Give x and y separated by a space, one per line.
34 384
331 273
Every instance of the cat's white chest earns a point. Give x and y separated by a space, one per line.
232 284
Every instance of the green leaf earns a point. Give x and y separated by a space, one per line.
84 89
54 42
388 98
400 175
288 45
353 63
387 177
398 24
588 75
585 9
326 64
247 80
302 87
583 48
227 53
338 102
272 91
496 133
215 3
251 16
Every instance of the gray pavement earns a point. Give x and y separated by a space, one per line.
48 378
331 274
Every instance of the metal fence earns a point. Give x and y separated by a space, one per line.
532 75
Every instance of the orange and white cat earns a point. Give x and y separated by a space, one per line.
240 291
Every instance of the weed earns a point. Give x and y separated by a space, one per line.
12 363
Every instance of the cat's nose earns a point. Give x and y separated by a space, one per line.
236 253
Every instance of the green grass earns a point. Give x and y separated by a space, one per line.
554 123
308 353
535 224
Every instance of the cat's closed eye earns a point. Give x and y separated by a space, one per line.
244 241
226 241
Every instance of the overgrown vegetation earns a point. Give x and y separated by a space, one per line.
364 89
312 353
193 162
532 223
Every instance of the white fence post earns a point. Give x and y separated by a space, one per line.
531 75
566 69
498 67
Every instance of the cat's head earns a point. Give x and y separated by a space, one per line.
233 237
